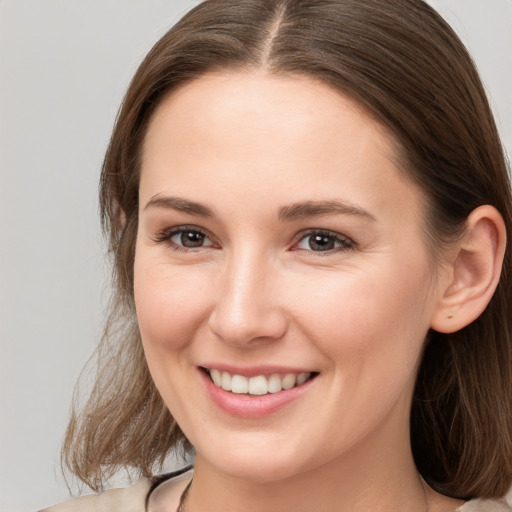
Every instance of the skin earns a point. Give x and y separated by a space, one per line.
256 292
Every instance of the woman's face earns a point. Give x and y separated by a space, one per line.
278 244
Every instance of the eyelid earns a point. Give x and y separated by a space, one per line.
165 235
347 243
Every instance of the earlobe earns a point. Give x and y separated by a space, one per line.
474 271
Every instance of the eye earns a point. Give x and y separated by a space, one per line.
184 238
324 241
189 238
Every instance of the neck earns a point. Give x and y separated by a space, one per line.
315 491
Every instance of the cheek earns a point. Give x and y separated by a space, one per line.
370 316
171 303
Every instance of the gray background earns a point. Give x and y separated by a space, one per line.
64 66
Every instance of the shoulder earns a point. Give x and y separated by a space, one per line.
132 498
129 499
482 505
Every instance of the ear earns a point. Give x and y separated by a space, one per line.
473 271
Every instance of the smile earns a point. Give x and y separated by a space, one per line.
259 384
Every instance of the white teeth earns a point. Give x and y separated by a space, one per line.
239 384
258 385
289 381
274 384
225 383
216 377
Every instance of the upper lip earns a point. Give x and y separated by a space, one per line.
252 371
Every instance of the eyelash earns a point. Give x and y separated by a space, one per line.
166 236
343 242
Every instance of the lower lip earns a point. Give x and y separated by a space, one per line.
252 406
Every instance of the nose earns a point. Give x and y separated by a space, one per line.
247 309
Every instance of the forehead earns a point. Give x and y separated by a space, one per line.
232 95
245 100
247 109
289 137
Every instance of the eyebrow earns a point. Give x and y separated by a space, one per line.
290 212
179 204
306 209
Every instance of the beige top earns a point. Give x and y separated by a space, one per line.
133 499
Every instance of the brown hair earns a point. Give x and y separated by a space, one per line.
408 69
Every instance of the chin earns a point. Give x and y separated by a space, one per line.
256 463
258 472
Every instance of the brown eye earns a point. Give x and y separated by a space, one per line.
321 243
190 238
324 242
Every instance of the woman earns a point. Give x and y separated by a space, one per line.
308 207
